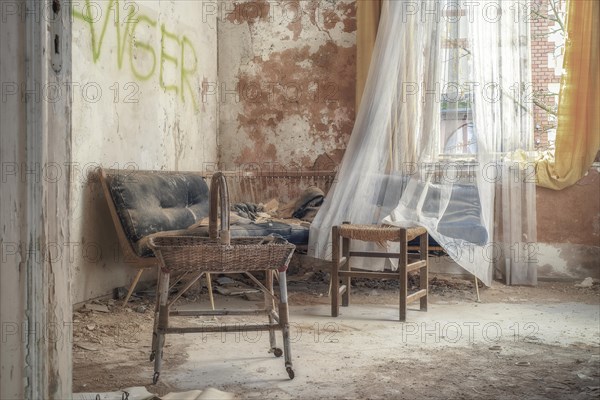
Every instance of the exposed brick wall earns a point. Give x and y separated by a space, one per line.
542 48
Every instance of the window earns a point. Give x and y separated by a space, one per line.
546 21
457 136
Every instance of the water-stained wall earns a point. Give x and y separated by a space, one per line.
138 67
568 227
286 83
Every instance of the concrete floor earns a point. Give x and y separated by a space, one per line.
332 356
519 342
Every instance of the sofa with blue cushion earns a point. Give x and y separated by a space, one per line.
149 203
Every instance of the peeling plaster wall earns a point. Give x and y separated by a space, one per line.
286 83
286 100
275 91
568 229
137 69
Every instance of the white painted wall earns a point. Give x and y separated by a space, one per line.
137 104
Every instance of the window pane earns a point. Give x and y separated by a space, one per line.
456 125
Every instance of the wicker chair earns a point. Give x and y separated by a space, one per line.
219 253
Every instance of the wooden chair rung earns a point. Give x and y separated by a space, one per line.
416 265
416 296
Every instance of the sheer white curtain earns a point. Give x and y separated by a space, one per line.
431 142
501 65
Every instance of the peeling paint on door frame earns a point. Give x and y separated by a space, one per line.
47 361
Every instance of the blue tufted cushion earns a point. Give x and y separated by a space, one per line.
150 202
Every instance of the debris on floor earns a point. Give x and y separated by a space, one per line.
443 286
586 283
96 307
86 346
234 288
132 393
207 394
140 393
111 350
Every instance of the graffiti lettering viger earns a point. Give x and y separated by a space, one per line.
173 61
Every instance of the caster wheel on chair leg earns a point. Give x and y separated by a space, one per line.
277 352
155 378
290 372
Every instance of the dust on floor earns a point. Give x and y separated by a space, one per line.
364 353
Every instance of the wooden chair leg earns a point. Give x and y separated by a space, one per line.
403 275
424 272
132 287
335 264
347 279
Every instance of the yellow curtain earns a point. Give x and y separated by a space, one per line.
367 22
578 130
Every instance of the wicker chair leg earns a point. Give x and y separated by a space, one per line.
210 292
156 318
185 288
269 307
161 324
284 317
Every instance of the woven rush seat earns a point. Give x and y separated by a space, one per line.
376 233
342 269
